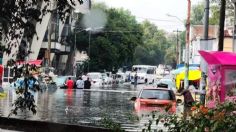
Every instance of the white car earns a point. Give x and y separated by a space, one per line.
120 77
95 78
169 82
107 81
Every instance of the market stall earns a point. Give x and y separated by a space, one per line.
221 76
194 76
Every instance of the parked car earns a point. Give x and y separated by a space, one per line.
155 99
167 83
61 81
106 80
95 78
120 77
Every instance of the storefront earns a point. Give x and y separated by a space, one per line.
221 76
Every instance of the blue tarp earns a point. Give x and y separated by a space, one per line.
182 69
190 65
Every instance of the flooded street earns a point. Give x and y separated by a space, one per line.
77 106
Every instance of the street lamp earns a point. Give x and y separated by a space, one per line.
90 30
186 83
75 47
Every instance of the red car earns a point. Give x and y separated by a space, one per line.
155 99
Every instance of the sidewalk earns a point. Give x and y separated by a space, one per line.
4 130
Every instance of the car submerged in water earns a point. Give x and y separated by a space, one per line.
155 99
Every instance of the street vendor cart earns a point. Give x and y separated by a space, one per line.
221 74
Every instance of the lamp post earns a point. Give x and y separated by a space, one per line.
75 47
234 34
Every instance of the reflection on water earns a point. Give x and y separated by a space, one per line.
77 106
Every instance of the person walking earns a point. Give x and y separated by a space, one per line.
188 101
80 83
70 83
87 84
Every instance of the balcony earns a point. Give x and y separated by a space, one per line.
55 46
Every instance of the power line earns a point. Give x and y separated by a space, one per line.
154 19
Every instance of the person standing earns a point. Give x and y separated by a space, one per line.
87 84
135 79
188 101
70 83
80 83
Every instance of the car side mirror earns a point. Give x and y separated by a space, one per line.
133 98
179 101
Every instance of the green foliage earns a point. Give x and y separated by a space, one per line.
218 119
115 45
107 122
155 44
197 14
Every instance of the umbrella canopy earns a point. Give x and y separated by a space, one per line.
182 69
193 75
31 62
218 57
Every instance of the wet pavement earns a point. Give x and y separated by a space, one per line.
77 106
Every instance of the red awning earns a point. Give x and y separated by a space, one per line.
31 62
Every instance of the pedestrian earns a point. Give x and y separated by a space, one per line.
87 84
135 79
80 83
1 88
70 83
188 101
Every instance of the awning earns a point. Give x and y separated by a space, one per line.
31 62
193 75
218 57
182 69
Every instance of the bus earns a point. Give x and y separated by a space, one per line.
144 73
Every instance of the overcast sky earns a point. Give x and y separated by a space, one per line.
156 11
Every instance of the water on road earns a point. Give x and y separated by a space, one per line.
77 106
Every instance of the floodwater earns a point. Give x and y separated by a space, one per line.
77 106
84 107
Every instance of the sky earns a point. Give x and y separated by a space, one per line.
156 11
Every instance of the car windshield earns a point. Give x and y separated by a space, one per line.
140 69
155 94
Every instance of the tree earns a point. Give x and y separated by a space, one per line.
155 44
197 14
17 21
122 34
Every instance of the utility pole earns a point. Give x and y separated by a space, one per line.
89 48
205 37
221 26
186 83
234 34
206 20
49 44
178 49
